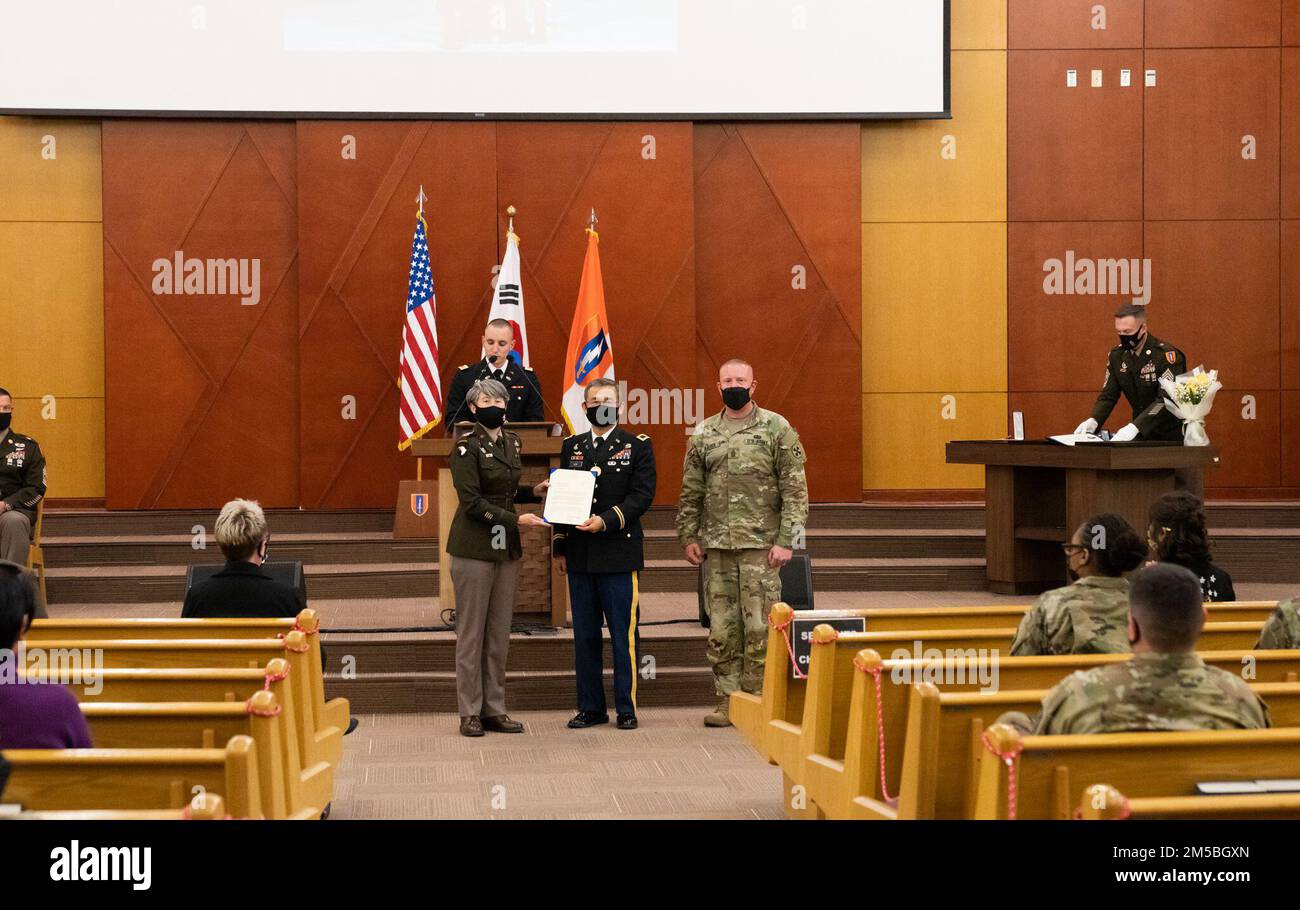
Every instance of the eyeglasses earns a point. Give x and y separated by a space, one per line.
1067 548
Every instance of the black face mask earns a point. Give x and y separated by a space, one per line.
491 417
5 420
1132 342
602 415
735 397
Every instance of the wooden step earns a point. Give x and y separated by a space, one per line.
409 693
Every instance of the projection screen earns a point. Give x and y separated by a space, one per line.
489 59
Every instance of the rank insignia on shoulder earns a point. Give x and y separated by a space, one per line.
462 450
463 366
643 437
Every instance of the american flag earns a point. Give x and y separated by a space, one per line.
421 388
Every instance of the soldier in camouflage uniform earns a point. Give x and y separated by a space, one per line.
743 506
1283 628
1165 686
1089 616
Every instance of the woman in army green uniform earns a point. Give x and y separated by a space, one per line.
1089 616
485 552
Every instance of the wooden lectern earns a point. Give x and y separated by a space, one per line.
542 594
1037 493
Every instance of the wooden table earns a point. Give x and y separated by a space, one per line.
1036 494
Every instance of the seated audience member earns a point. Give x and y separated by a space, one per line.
1283 627
1090 615
22 486
1164 686
242 589
1177 534
32 715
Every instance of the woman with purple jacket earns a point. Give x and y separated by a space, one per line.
32 715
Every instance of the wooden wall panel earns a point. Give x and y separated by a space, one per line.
1290 305
1203 104
638 177
1051 413
1290 432
978 25
905 176
1058 24
1252 448
357 220
204 390
770 199
36 188
1212 23
1291 22
937 288
51 304
1060 342
1073 154
1290 133
917 426
52 294
1216 296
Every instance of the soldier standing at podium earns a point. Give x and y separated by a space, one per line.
744 503
1135 367
525 392
603 556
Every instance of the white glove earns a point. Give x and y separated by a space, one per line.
1125 433
1088 426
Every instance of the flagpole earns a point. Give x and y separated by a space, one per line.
591 223
419 200
510 210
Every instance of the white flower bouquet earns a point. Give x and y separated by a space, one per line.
1189 397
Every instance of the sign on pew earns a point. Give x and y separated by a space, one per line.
801 633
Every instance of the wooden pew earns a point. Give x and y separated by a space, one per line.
1051 771
783 697
1008 616
782 733
839 740
942 742
325 714
176 725
1102 802
134 779
320 744
204 807
221 685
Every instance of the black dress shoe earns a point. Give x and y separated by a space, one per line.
587 719
626 722
352 725
471 726
501 723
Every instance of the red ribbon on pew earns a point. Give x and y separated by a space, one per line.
1008 758
880 728
274 712
781 627
303 650
275 678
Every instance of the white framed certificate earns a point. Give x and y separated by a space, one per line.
569 497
